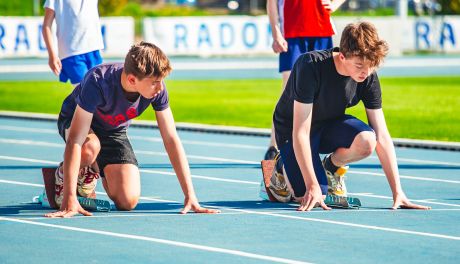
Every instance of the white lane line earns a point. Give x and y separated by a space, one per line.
29 129
427 201
22 183
199 157
223 179
127 215
200 143
29 160
216 144
403 176
40 216
144 152
31 143
158 240
395 230
200 177
155 153
431 162
150 139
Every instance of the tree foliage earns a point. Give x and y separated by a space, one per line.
111 7
450 7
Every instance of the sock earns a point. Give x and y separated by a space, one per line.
328 165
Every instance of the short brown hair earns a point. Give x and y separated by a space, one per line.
361 39
144 59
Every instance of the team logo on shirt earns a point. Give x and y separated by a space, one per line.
131 112
118 119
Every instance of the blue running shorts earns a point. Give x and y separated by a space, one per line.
75 67
298 46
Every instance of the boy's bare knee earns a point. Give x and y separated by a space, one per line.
127 203
367 143
90 151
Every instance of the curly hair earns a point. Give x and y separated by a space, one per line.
361 40
144 59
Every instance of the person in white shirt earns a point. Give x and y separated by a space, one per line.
79 37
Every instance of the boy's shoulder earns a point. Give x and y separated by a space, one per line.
314 60
103 73
106 70
317 56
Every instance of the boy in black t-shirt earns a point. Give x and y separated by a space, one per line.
310 119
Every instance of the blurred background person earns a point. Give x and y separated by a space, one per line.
298 26
79 37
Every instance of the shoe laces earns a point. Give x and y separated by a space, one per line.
340 183
89 175
58 188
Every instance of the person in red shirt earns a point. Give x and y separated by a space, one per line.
298 26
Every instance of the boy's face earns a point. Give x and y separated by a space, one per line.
149 87
357 68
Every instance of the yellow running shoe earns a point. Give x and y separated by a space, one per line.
336 181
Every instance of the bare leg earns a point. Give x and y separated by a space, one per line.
122 184
363 145
89 151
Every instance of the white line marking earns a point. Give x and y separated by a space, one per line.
29 130
427 201
151 139
344 223
201 143
128 215
155 153
170 201
201 177
29 160
158 240
176 214
394 230
205 143
403 176
31 142
236 161
423 161
308 219
22 183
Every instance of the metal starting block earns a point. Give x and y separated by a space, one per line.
342 202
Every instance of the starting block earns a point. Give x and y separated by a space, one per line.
47 197
342 202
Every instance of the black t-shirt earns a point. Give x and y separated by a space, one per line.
314 79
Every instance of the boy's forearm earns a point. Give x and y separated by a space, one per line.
180 165
72 157
387 156
273 17
48 38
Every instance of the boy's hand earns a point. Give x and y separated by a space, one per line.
192 204
69 208
55 64
312 197
401 201
279 44
327 5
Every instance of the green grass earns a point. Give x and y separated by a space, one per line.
419 108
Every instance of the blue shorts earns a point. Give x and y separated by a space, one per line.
327 138
75 67
298 46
